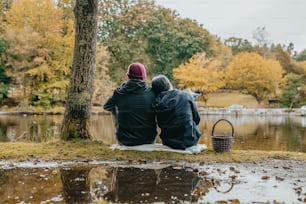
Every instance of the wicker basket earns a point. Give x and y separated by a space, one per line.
222 143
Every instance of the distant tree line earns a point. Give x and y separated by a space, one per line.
37 41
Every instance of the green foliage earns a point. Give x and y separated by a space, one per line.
4 79
138 30
294 90
3 91
42 99
3 49
172 41
301 56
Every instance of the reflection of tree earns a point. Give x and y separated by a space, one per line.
101 180
149 185
75 185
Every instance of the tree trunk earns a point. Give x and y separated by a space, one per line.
76 122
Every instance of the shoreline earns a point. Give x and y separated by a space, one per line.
202 111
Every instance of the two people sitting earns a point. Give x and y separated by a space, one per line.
140 108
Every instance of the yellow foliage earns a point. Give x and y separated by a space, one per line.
41 16
302 64
253 74
200 74
41 41
59 85
41 73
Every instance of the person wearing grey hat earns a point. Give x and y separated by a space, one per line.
177 114
132 102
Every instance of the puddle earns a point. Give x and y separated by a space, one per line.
159 182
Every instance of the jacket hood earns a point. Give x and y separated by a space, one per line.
172 99
166 100
132 86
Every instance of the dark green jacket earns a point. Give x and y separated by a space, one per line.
136 123
178 117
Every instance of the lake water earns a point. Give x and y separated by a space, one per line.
158 181
284 133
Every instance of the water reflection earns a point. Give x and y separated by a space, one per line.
89 184
251 132
151 185
154 182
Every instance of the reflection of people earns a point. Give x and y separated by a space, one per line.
167 185
177 114
133 103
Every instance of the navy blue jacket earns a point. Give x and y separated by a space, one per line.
136 123
178 117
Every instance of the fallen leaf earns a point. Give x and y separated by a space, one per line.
279 178
234 201
221 202
265 177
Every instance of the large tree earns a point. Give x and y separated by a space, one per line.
39 51
139 30
76 122
254 75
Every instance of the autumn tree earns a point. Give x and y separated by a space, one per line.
200 74
39 50
5 5
76 122
254 75
285 59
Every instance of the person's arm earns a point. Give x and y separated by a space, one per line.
195 112
193 106
110 103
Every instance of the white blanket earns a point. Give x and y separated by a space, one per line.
160 147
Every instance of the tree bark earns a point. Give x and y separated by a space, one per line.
76 122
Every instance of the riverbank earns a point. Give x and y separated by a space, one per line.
253 111
202 110
85 150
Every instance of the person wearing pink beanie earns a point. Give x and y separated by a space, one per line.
132 104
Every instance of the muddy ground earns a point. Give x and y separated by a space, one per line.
280 181
270 181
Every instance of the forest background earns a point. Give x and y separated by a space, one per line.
37 41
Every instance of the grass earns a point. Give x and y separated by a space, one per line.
85 150
227 99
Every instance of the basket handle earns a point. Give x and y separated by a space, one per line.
213 129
